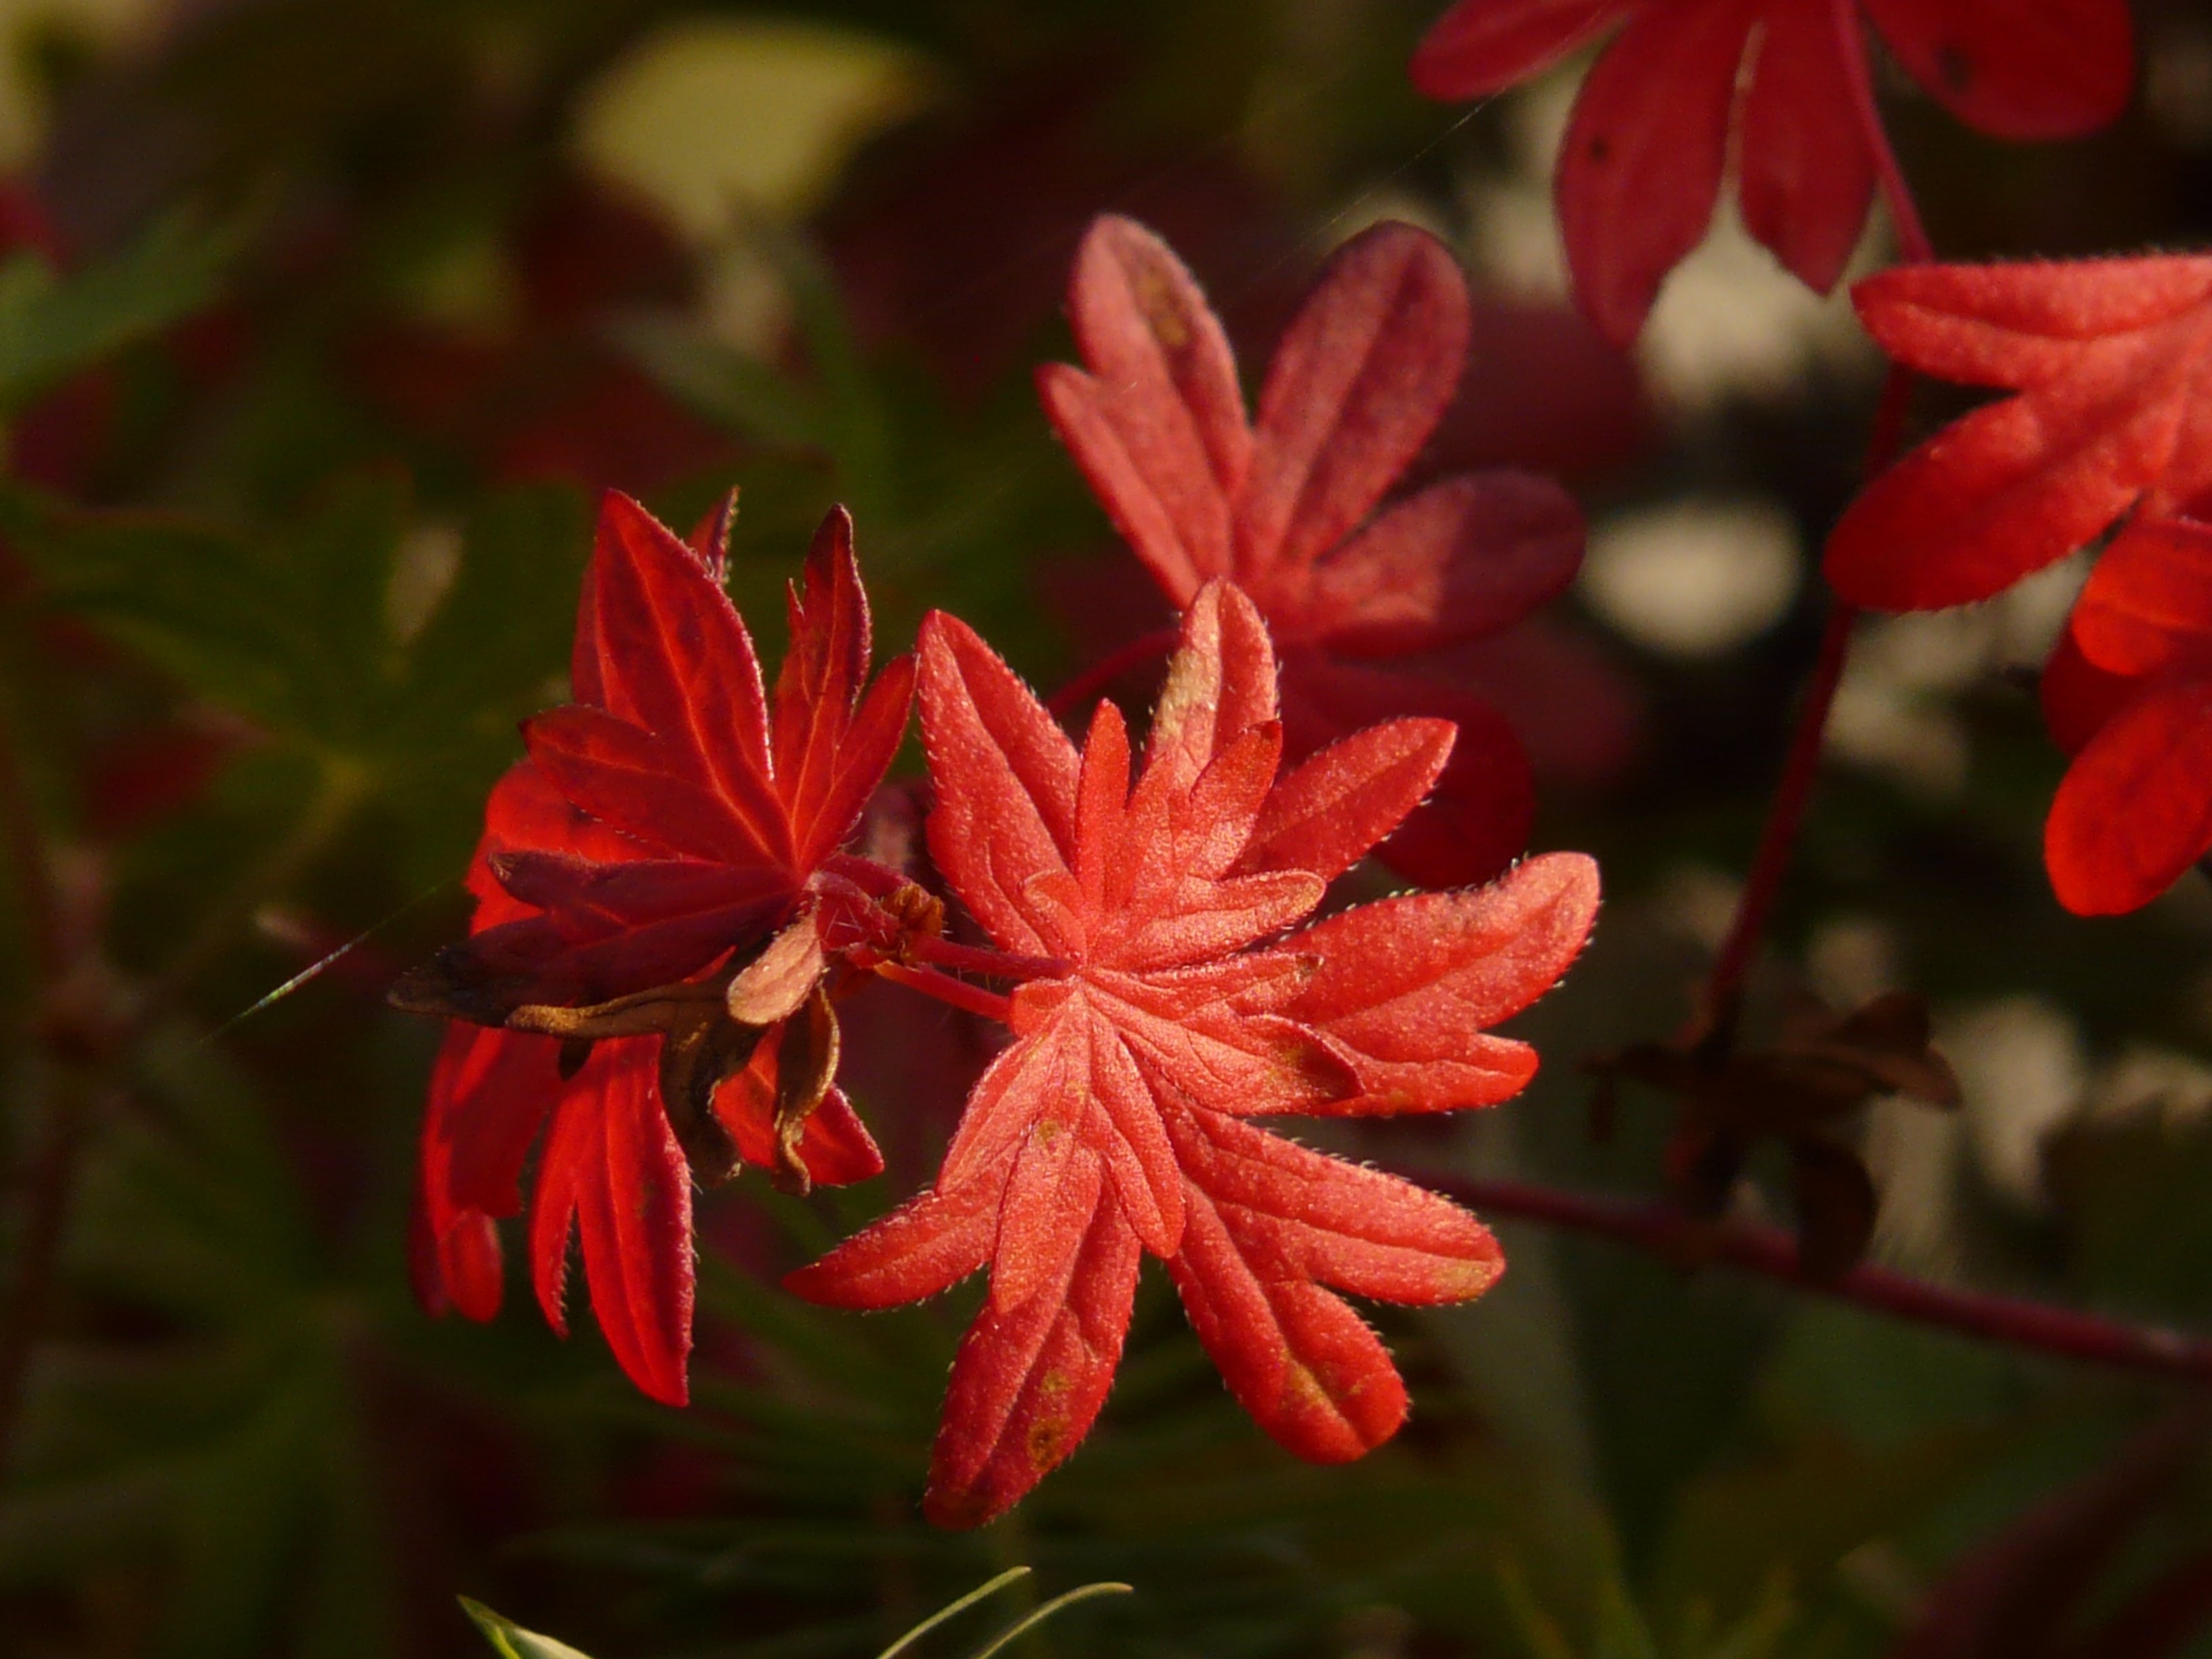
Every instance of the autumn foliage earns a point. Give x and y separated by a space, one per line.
1378 818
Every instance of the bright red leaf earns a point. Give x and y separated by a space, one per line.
1118 1122
1287 504
2132 686
2111 361
674 816
1641 167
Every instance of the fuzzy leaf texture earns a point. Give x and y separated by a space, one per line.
1119 1122
2111 363
1687 83
1290 504
675 815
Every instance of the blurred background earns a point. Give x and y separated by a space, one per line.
322 322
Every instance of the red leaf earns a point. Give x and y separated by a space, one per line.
1111 1125
2077 696
2056 69
1462 559
1358 383
674 816
2109 358
1347 797
1807 174
1355 390
1028 1384
632 782
1475 50
1478 814
613 1172
1649 134
2135 809
1640 169
2148 606
928 1244
1406 987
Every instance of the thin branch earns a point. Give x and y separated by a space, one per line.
1770 1253
1801 765
957 992
976 959
1904 212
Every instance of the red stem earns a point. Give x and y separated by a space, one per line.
1904 212
1800 766
976 959
1772 1253
1103 673
946 988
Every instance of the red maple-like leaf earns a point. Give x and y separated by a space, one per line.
2129 694
674 816
1286 507
1641 167
1119 1122
2111 361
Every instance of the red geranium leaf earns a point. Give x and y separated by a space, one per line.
928 1244
2135 809
1472 51
633 782
1354 392
1406 986
456 1267
2111 361
489 1092
672 655
1463 559
1650 135
1028 1384
1477 816
1358 383
1344 799
675 817
2077 696
1297 1358
1807 173
2148 606
1640 169
2056 69
1111 1125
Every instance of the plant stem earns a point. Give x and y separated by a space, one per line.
1801 765
976 959
1103 673
957 992
1904 212
1770 1253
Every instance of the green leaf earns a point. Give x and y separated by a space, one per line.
51 325
511 1641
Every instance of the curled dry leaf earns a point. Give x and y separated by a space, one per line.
643 971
